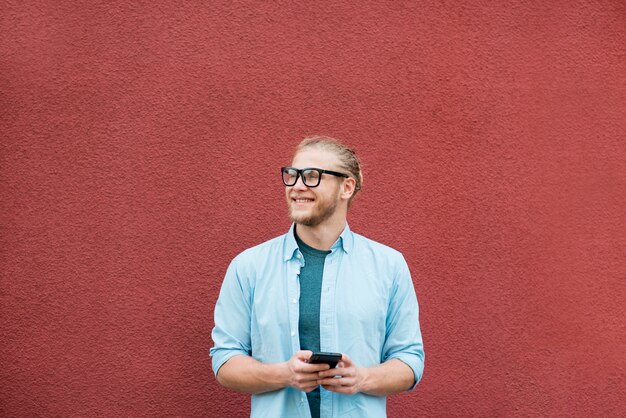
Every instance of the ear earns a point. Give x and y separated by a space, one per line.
347 188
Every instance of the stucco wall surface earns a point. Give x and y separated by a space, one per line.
139 151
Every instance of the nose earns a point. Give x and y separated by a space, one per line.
299 184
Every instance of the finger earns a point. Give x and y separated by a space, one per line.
303 354
338 371
337 381
328 373
348 390
308 387
346 359
311 368
303 378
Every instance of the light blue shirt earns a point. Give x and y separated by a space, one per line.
368 310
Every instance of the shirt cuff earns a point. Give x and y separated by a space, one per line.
416 363
221 356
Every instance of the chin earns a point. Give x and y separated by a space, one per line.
304 219
307 222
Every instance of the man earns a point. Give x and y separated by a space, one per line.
320 287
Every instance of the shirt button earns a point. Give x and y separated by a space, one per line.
293 301
293 333
298 255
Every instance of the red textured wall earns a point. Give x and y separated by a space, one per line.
140 146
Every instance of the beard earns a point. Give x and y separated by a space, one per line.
321 211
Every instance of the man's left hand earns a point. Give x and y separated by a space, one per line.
350 377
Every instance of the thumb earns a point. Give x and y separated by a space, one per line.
346 360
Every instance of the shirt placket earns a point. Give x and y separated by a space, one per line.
328 335
293 300
328 340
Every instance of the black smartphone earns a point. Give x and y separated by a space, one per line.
325 358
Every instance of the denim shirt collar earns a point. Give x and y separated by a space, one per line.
345 242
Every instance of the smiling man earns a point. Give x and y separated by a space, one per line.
318 288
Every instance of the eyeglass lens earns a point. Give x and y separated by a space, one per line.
311 178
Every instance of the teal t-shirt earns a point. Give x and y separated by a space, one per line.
310 294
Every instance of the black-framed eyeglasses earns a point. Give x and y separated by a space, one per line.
311 177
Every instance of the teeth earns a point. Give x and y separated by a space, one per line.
303 200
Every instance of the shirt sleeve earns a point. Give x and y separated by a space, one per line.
403 338
231 334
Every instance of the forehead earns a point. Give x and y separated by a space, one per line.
316 158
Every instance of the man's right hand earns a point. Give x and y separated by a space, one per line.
304 376
245 374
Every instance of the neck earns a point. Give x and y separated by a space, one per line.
323 236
